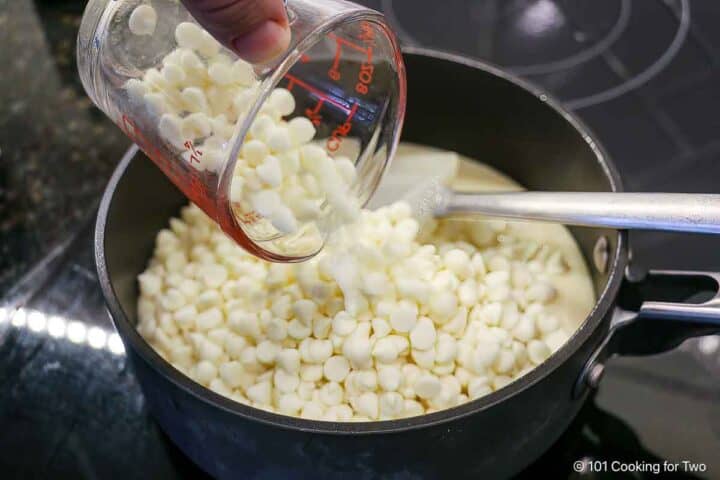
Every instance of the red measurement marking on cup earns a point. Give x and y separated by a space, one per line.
187 181
195 154
367 69
250 218
334 71
341 131
313 113
293 80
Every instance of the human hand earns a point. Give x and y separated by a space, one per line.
256 30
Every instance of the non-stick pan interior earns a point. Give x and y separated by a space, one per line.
143 202
452 106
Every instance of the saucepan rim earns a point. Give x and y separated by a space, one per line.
605 301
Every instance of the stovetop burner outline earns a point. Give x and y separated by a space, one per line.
680 8
571 61
646 75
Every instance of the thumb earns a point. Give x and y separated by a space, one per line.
256 30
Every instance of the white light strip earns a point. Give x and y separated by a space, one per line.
115 345
56 326
36 321
59 327
19 318
97 338
76 332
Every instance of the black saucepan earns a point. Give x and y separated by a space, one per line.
480 112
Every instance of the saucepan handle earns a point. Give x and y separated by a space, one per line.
656 312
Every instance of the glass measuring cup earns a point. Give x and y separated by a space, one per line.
201 114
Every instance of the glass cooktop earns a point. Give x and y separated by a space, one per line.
642 73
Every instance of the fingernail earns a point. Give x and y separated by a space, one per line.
264 43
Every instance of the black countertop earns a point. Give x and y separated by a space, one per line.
57 149
644 75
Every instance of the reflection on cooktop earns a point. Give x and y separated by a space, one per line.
57 326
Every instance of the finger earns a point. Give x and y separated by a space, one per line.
256 30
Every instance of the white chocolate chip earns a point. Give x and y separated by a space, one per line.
336 368
301 130
243 73
254 151
278 140
390 378
221 73
143 20
427 386
260 393
385 350
194 100
171 129
270 172
357 349
404 316
478 387
173 74
538 351
343 324
286 382
422 336
391 405
312 411
331 394
443 305
205 372
367 405
189 35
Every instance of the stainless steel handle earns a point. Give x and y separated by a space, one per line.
688 319
683 212
707 312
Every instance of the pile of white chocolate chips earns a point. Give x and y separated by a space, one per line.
386 322
199 95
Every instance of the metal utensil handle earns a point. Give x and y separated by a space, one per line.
682 212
